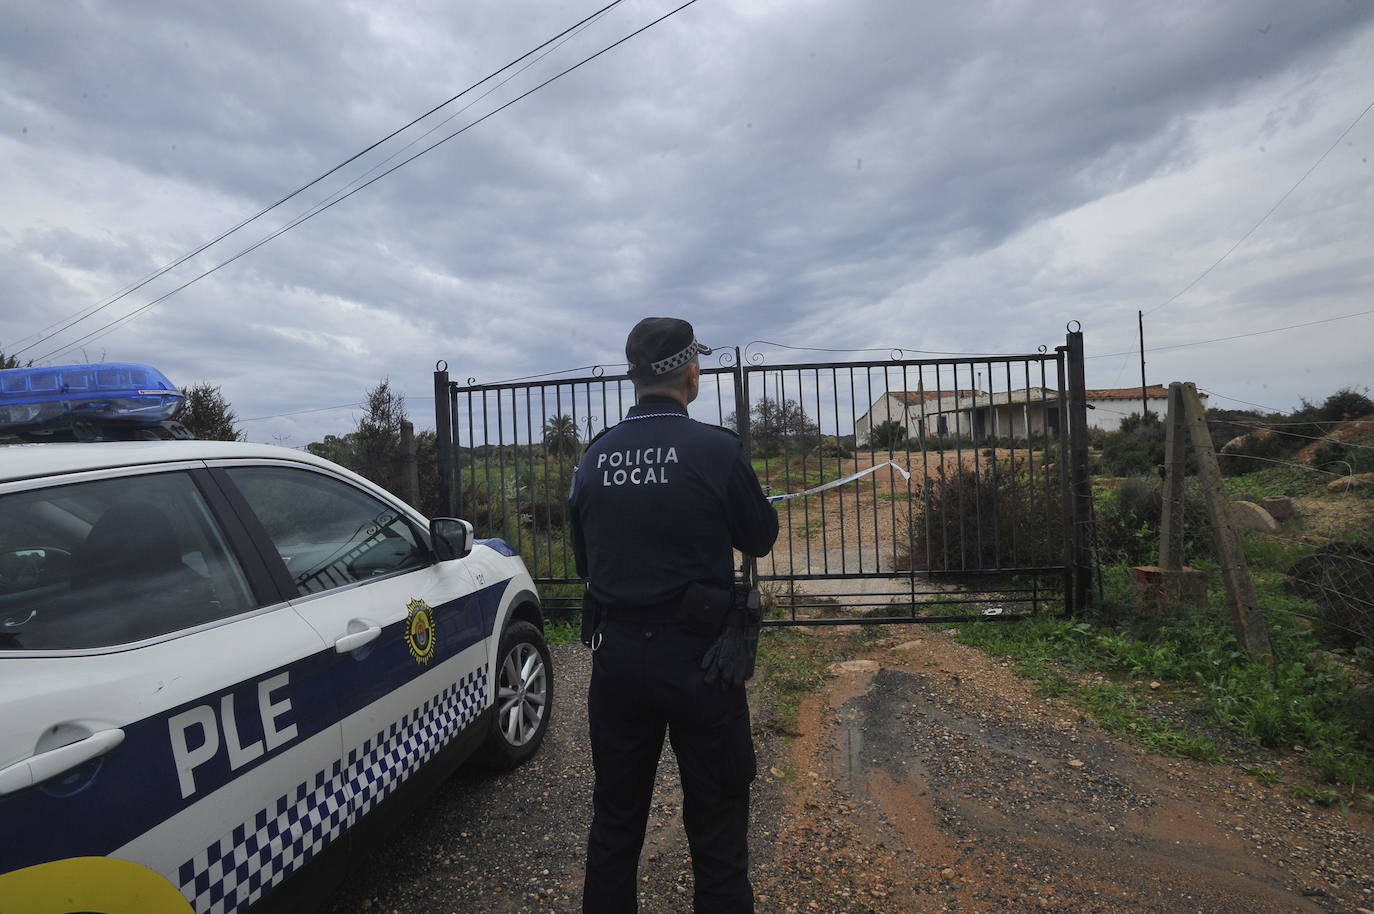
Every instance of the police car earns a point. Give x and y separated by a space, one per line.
224 666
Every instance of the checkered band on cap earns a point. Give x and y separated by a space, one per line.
663 366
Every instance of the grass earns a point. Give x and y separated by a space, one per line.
1278 480
792 665
794 474
560 631
1300 703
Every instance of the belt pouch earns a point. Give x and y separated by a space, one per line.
703 608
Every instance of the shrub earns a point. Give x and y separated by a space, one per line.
1346 403
1129 517
889 434
831 446
1339 457
1339 579
1136 448
1000 517
1260 449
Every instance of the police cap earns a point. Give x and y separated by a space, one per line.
658 345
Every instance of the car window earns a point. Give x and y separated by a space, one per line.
328 533
112 561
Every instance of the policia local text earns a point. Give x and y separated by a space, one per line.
636 467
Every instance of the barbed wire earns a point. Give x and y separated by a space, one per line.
1287 463
1367 447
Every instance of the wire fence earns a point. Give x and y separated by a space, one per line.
1307 533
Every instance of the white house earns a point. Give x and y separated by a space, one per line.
947 412
1015 413
1106 408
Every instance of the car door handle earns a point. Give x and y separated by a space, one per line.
354 640
38 768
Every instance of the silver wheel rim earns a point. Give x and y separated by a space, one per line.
522 693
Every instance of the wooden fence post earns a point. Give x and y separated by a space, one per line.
1246 618
410 474
1171 522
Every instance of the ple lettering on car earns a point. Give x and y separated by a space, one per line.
218 728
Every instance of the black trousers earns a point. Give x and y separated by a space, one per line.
646 680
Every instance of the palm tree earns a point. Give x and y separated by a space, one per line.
889 434
560 437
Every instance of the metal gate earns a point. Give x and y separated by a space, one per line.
908 490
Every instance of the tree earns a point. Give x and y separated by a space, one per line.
888 434
560 437
1346 403
343 451
775 426
207 414
12 361
378 436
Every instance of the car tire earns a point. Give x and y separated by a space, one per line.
523 689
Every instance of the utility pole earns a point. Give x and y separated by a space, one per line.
1144 400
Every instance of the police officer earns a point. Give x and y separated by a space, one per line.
657 503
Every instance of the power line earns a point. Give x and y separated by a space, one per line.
889 349
1238 336
298 412
324 409
162 271
1269 213
1213 393
131 315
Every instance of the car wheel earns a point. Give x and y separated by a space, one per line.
524 696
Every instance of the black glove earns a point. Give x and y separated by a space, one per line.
729 661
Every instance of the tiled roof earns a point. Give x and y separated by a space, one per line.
912 396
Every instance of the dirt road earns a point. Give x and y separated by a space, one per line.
927 778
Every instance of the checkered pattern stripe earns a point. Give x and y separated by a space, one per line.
244 864
677 360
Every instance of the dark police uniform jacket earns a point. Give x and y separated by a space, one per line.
657 503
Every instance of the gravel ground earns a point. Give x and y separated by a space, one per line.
514 842
927 778
930 778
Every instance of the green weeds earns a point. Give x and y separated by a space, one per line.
559 631
1302 702
792 665
1278 480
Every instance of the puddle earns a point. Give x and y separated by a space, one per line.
846 756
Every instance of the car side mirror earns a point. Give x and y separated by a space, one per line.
452 538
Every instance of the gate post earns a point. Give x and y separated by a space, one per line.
742 405
443 443
1080 504
749 569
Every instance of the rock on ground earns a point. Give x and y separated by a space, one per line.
1247 515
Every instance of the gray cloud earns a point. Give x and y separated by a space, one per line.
767 170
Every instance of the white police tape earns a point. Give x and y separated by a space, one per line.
839 482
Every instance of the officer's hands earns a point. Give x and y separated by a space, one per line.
726 662
730 660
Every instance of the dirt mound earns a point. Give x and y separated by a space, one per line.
1347 431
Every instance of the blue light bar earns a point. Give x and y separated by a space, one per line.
126 392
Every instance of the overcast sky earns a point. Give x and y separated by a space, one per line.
867 173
